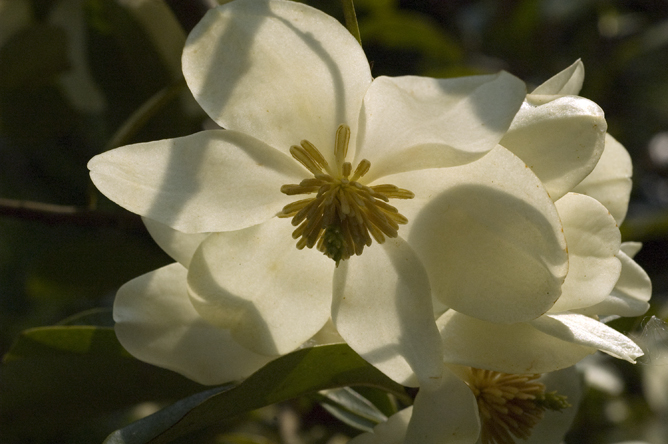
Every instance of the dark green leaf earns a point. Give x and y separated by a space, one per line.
301 372
55 378
33 57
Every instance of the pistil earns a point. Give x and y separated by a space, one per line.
345 215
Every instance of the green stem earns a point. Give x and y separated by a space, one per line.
144 113
351 19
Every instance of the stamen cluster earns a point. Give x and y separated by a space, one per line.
510 405
344 215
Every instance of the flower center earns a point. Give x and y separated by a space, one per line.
344 215
510 405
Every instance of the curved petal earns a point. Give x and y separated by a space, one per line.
180 246
446 414
156 323
410 123
255 282
610 181
555 424
593 241
488 235
382 308
588 332
280 71
392 431
517 348
209 181
561 140
567 83
631 294
631 248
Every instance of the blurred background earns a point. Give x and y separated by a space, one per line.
78 77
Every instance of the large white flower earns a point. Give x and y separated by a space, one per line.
486 407
295 94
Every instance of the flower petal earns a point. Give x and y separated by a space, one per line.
411 123
588 332
156 323
631 248
610 181
382 308
560 140
631 293
255 282
593 241
516 348
446 414
392 431
180 246
488 235
567 83
209 181
555 424
280 71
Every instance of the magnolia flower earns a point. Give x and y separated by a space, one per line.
491 407
304 117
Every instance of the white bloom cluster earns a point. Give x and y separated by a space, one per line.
465 225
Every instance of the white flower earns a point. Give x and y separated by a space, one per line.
294 91
483 406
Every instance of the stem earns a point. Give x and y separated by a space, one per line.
190 12
351 19
52 214
144 113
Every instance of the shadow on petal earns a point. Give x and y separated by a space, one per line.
489 254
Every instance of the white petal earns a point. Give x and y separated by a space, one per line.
255 282
561 140
279 71
555 424
180 246
593 241
447 414
631 248
156 323
567 83
488 235
631 294
583 330
413 123
516 348
610 181
392 431
209 181
382 308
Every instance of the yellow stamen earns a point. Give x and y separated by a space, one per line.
510 406
344 215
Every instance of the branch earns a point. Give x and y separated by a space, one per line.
52 214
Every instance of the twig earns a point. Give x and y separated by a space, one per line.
52 214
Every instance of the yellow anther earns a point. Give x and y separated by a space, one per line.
345 215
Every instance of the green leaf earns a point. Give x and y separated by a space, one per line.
299 373
143 430
352 408
54 379
33 57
